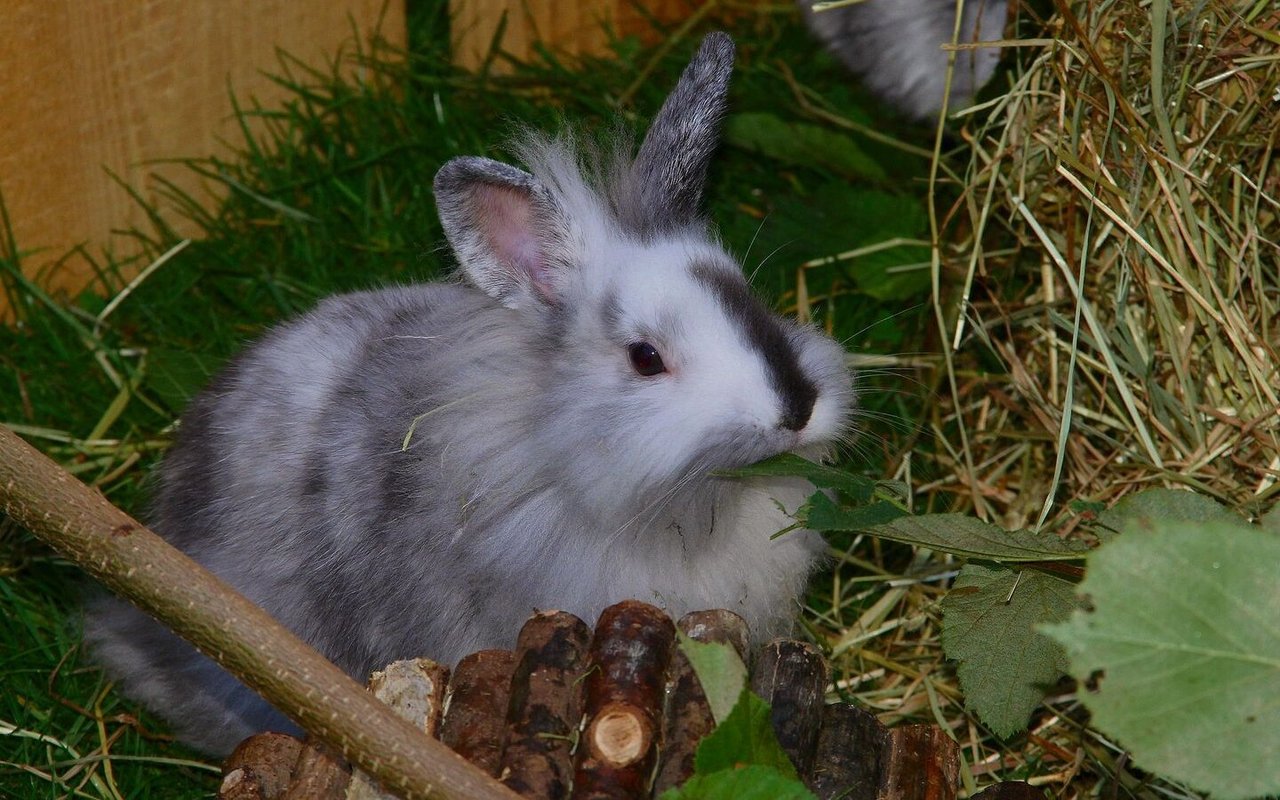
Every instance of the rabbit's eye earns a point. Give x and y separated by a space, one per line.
645 359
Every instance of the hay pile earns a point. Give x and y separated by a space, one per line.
1125 195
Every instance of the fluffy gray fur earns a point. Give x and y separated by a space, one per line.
413 471
895 47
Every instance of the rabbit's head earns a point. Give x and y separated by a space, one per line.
657 364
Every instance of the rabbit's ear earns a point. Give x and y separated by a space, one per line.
666 180
500 222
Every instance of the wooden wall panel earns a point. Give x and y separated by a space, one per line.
88 88
572 27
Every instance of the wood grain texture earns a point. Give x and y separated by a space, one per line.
574 29
109 87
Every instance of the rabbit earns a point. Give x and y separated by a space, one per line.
895 47
413 471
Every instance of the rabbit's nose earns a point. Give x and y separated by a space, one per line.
796 415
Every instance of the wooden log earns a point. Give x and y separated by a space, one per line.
259 768
1010 790
546 705
320 774
625 687
847 759
687 717
414 689
792 677
479 694
920 762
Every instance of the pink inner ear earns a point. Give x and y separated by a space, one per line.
507 219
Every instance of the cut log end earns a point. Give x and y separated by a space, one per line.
620 735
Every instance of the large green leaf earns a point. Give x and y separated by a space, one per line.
949 533
988 626
720 671
1142 508
856 487
800 144
1183 646
745 737
752 782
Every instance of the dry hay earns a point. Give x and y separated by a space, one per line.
1126 202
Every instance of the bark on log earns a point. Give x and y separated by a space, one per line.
688 716
259 768
137 564
920 762
847 760
414 689
546 705
320 774
625 687
792 677
479 695
1010 790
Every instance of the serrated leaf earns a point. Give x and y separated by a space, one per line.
1142 508
754 782
720 672
801 144
856 487
988 626
1183 641
852 518
745 737
949 533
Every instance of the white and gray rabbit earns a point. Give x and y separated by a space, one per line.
413 471
895 47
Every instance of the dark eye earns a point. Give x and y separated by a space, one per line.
645 359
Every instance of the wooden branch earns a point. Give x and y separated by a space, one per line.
479 696
625 687
792 677
546 705
688 714
140 566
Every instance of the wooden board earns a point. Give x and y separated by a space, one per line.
91 89
573 28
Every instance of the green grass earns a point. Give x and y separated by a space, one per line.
341 200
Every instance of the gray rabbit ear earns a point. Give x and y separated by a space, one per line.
498 221
664 187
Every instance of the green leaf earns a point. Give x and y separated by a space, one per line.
720 672
800 144
949 533
856 487
988 626
753 782
1141 509
1183 643
745 737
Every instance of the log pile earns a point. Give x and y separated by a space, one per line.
617 713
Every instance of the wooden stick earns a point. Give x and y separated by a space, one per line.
792 677
629 658
920 762
320 774
140 566
260 767
546 705
414 688
688 716
847 761
479 695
